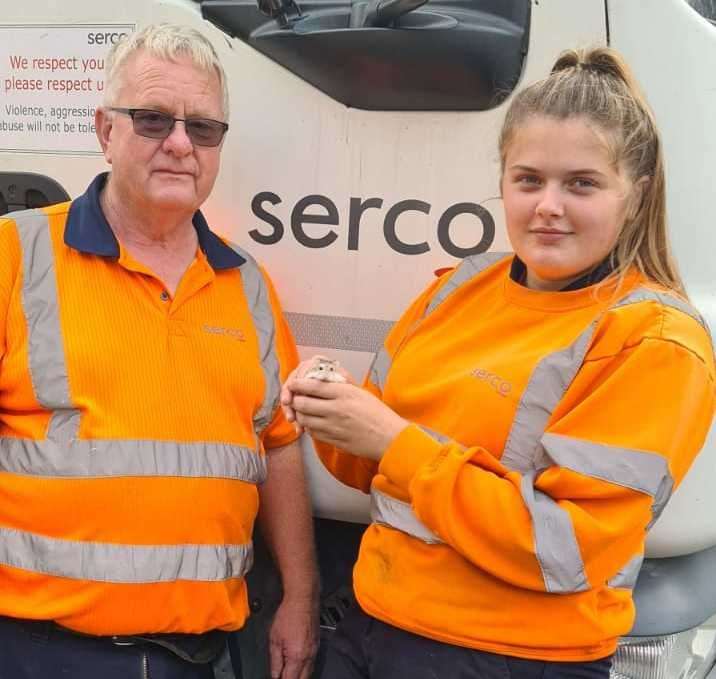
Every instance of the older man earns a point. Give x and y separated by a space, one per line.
140 360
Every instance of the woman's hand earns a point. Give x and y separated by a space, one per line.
344 415
300 371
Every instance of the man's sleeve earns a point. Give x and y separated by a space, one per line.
628 429
9 269
280 432
358 472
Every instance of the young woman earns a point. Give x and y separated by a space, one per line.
530 414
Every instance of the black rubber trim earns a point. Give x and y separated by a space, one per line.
23 190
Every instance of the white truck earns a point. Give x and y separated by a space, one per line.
361 157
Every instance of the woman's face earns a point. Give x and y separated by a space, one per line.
565 202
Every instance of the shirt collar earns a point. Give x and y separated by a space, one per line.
518 273
87 230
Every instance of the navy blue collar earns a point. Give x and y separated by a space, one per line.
518 273
87 230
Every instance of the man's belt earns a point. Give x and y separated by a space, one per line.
199 649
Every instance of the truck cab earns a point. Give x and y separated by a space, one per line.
361 157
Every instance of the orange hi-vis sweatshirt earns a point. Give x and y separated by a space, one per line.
548 431
133 426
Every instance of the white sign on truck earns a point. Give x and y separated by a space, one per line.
51 78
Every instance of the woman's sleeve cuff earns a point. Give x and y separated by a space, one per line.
408 451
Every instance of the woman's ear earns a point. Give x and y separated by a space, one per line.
636 196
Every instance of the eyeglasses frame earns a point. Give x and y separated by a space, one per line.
131 112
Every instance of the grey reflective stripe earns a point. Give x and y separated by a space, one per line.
113 458
646 295
663 493
666 488
440 438
393 513
338 332
125 564
467 269
634 469
644 472
556 545
551 378
545 389
257 297
48 371
379 369
626 577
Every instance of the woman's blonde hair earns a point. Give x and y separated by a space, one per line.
168 42
598 85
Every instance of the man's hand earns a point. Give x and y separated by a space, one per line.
285 518
346 416
293 640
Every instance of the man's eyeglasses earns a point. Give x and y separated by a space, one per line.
158 125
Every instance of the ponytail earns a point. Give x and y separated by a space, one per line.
598 85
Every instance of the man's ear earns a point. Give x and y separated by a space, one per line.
103 121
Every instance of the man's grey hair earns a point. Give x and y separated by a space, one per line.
168 42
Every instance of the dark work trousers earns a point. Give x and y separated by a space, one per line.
365 648
41 651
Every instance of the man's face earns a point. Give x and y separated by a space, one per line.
171 174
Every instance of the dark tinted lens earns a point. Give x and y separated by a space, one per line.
152 124
205 132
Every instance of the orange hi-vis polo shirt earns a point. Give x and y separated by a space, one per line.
133 426
548 431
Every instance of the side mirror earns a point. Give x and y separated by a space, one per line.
285 12
380 13
455 55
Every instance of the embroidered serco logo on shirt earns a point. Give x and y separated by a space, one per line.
500 385
233 333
